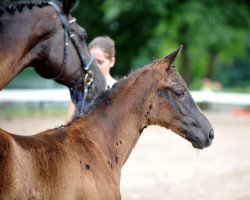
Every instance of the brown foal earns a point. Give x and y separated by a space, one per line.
83 159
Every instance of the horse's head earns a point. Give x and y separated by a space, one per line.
172 96
66 57
45 36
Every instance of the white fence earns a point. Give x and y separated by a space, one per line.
62 95
34 95
225 98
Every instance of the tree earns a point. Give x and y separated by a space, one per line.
130 23
210 31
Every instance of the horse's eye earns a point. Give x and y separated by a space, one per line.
179 93
83 37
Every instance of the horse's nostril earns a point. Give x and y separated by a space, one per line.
211 134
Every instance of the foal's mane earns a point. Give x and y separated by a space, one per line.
11 7
105 98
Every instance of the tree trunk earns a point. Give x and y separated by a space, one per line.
185 60
186 64
212 63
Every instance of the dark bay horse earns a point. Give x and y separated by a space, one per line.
83 159
45 36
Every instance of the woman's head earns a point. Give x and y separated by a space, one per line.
106 44
103 49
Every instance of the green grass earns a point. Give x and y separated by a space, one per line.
10 111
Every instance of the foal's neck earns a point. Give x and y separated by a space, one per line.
117 124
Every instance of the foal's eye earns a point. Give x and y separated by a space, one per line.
179 93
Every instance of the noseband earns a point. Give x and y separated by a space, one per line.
87 80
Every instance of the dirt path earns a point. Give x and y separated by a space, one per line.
164 166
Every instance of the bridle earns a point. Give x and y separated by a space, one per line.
86 81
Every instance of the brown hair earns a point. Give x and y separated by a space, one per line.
105 43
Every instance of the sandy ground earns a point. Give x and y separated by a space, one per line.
164 166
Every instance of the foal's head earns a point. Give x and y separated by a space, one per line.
173 107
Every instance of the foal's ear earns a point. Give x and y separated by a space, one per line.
171 58
68 5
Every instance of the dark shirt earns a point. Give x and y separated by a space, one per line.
80 103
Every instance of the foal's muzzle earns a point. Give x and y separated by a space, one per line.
201 140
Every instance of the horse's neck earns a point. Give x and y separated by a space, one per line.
20 33
116 127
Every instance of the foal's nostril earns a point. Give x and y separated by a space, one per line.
211 134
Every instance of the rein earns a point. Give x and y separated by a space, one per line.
88 78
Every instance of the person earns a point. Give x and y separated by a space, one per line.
103 49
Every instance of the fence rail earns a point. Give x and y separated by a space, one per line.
62 95
34 95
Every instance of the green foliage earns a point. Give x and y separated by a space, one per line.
130 23
213 32
235 76
209 27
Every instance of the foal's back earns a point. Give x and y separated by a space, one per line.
52 165
29 166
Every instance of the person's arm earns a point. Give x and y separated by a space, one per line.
71 112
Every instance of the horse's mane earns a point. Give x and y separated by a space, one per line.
11 7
